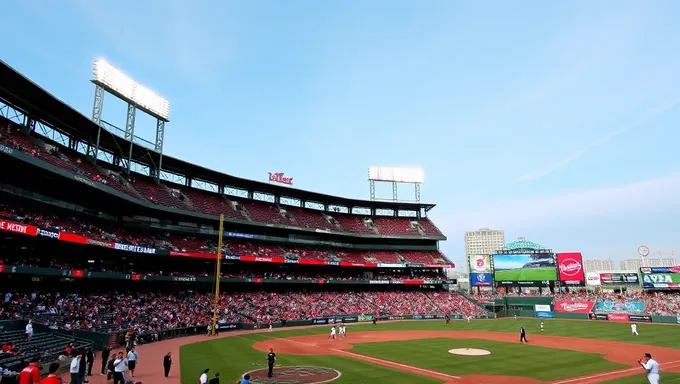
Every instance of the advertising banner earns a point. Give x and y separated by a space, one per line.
573 306
617 317
542 308
593 278
30 230
544 314
480 264
570 268
363 318
661 280
481 279
619 307
597 316
640 318
619 279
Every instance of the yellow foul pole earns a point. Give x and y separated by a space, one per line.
217 277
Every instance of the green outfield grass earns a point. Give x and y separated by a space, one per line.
505 359
526 274
672 378
232 356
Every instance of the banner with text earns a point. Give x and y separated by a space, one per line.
570 268
574 306
654 280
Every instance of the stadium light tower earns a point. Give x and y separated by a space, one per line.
108 78
395 176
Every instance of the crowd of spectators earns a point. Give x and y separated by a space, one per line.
154 312
183 243
655 303
185 268
197 200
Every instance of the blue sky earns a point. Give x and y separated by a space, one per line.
552 120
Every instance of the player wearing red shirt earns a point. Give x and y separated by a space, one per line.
30 374
52 378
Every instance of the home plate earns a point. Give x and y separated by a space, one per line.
469 352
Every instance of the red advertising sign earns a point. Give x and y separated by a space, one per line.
573 306
280 177
617 317
10 226
77 273
570 268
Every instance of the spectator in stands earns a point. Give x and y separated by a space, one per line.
30 374
52 377
29 330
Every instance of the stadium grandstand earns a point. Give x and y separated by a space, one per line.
93 251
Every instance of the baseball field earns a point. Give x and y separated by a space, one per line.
526 274
567 352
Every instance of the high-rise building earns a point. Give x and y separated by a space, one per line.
598 265
483 242
635 264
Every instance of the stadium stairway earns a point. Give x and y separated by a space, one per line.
471 300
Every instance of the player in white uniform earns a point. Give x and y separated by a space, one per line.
541 325
652 368
343 330
332 336
469 318
515 317
633 329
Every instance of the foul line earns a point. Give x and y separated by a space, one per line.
416 369
673 363
379 361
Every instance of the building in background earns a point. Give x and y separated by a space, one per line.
598 265
483 242
635 264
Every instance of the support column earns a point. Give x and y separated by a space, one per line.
130 131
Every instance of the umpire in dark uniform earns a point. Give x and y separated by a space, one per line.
271 359
522 335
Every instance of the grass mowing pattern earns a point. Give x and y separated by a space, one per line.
527 274
233 356
505 359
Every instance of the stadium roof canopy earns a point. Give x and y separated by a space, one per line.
30 98
522 244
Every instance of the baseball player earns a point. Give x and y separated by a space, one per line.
541 325
633 329
332 335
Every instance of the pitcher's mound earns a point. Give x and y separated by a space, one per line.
469 352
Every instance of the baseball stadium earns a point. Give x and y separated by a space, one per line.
111 246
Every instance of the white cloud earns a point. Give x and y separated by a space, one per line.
654 112
535 175
652 196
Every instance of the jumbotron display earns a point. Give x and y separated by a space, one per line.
660 277
524 268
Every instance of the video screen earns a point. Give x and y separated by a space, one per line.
525 267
